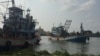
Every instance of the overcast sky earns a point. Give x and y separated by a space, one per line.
48 12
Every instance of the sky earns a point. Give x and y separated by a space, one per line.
49 12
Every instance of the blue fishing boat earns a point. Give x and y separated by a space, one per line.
61 33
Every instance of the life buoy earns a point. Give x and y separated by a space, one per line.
8 44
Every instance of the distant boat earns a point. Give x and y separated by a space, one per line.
18 30
61 33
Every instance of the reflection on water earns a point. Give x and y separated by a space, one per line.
50 45
83 48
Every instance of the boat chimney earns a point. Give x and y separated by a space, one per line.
13 3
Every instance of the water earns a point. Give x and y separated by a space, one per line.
93 47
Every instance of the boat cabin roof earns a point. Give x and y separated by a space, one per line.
15 9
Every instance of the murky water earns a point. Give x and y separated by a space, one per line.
93 47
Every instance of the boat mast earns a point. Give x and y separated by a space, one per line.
82 29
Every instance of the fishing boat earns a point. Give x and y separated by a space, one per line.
17 29
61 33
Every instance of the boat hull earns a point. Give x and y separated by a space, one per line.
18 42
79 39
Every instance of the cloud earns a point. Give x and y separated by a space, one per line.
67 4
63 4
86 6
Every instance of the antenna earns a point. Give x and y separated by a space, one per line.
53 24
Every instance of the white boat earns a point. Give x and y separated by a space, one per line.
79 39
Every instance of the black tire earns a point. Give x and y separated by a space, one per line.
26 44
8 44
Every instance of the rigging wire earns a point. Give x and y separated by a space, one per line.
7 7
